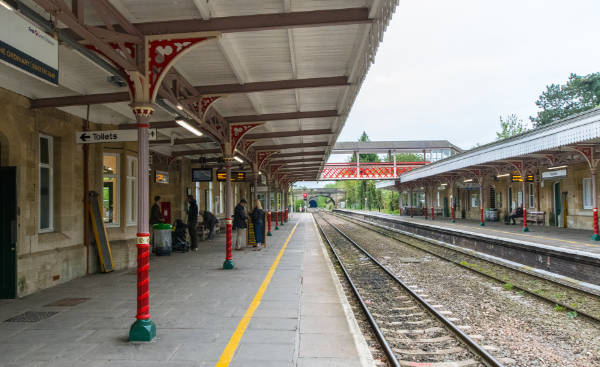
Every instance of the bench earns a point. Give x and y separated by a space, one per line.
535 217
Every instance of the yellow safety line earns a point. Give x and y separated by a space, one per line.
231 347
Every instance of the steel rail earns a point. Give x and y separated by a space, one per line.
386 347
382 228
488 359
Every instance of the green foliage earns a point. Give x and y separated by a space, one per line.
404 157
572 314
579 94
508 286
559 308
367 157
510 125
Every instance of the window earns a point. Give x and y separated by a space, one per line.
587 194
519 198
198 194
474 200
46 187
499 200
438 199
531 195
132 195
492 197
221 197
110 189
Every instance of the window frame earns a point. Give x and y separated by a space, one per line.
531 195
131 183
50 166
589 192
117 210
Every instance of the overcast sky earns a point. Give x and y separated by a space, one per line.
449 69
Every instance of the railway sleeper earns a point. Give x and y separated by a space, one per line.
434 352
465 363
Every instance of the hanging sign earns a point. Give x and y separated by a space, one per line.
235 176
162 177
26 47
110 136
554 174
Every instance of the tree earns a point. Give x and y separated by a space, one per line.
579 94
405 157
511 125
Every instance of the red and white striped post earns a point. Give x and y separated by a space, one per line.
228 264
595 236
143 329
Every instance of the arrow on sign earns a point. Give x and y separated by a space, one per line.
84 137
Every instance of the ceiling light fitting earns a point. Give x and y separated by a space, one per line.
557 167
188 127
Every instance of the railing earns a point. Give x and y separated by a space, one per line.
367 171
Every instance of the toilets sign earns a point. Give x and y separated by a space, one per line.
110 136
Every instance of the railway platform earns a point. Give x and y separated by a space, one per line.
565 255
567 238
282 306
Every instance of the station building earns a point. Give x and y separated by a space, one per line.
50 192
549 171
244 77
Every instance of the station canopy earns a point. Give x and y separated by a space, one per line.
293 66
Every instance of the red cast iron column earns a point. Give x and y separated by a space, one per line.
228 264
595 236
143 329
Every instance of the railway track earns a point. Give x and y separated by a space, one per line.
565 295
412 332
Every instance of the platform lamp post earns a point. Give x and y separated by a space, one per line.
143 329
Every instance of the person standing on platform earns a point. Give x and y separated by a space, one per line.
192 222
209 221
258 220
239 224
155 212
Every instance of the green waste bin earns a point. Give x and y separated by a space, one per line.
161 239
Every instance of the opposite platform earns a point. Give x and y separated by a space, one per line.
198 309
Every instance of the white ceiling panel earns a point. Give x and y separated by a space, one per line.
324 51
206 65
265 55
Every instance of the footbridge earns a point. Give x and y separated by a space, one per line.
426 150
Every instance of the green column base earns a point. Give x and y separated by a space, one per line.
228 265
482 224
142 331
269 234
525 229
276 228
453 221
595 237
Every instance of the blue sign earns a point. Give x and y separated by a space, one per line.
30 64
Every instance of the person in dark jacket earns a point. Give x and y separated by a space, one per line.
209 221
192 222
239 224
517 213
258 220
155 213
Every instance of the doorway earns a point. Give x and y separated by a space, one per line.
8 232
557 205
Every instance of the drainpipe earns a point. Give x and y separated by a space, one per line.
86 190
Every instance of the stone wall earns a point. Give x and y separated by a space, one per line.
577 216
